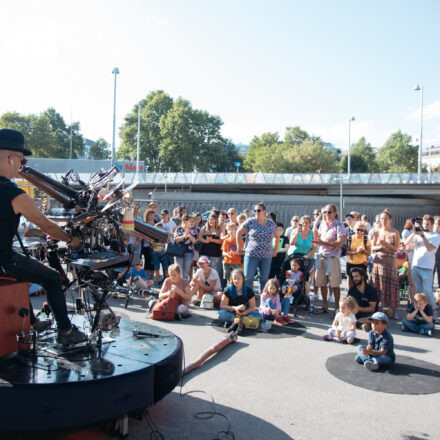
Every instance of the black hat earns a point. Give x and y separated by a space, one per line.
13 140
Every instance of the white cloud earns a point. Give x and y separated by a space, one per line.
431 111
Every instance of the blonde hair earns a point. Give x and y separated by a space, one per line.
357 224
271 282
420 297
350 302
175 267
241 218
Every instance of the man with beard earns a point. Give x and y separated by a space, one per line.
365 295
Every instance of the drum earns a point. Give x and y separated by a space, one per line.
34 245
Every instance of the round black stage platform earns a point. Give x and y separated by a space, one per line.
58 390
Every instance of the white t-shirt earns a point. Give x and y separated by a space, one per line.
170 227
345 322
213 275
422 258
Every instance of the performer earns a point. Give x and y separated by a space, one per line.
15 202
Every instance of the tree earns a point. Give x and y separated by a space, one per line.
398 155
265 154
295 136
100 149
64 133
154 109
312 157
363 158
176 137
46 135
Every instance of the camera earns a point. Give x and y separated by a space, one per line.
417 229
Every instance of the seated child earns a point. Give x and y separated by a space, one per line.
238 299
419 317
293 281
137 276
271 305
380 349
344 324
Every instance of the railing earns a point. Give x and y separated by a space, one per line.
58 167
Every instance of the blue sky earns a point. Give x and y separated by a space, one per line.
260 65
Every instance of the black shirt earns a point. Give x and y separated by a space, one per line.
364 299
238 300
211 249
8 219
418 319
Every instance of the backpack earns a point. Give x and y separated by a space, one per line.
166 309
207 301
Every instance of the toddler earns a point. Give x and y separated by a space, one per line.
271 305
419 317
293 281
344 325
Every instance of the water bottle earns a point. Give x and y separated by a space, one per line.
312 308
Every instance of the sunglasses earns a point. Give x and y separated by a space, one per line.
295 219
360 230
23 160
258 210
328 212
316 214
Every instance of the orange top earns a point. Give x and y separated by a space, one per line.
230 245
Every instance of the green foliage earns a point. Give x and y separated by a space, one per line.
265 154
312 156
176 137
295 136
398 155
100 149
46 135
363 158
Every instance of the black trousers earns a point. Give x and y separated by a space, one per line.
25 268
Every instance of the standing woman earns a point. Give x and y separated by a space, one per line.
212 243
147 247
186 235
385 277
259 248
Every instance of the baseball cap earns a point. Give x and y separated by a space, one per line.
164 211
379 316
203 259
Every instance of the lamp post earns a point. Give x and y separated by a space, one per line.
349 146
115 72
419 88
138 136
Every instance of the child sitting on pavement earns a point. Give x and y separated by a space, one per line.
271 305
419 317
293 281
380 349
137 276
344 324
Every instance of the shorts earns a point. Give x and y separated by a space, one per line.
321 278
159 259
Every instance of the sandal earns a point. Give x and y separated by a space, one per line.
320 311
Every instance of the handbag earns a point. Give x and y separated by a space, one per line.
166 309
175 249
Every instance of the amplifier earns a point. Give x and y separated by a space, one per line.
13 297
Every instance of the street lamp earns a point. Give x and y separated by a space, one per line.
138 136
115 72
349 146
419 88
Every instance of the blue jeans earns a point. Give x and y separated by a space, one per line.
381 360
216 263
185 263
285 303
251 265
415 328
226 316
423 281
158 259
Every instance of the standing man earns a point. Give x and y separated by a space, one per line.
349 230
426 243
15 202
329 237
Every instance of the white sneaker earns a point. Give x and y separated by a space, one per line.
314 297
370 365
331 299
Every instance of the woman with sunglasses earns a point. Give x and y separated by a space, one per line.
210 237
358 250
259 249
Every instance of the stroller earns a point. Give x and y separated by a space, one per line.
300 297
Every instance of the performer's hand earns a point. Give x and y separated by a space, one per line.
75 243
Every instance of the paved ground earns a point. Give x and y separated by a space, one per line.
280 388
